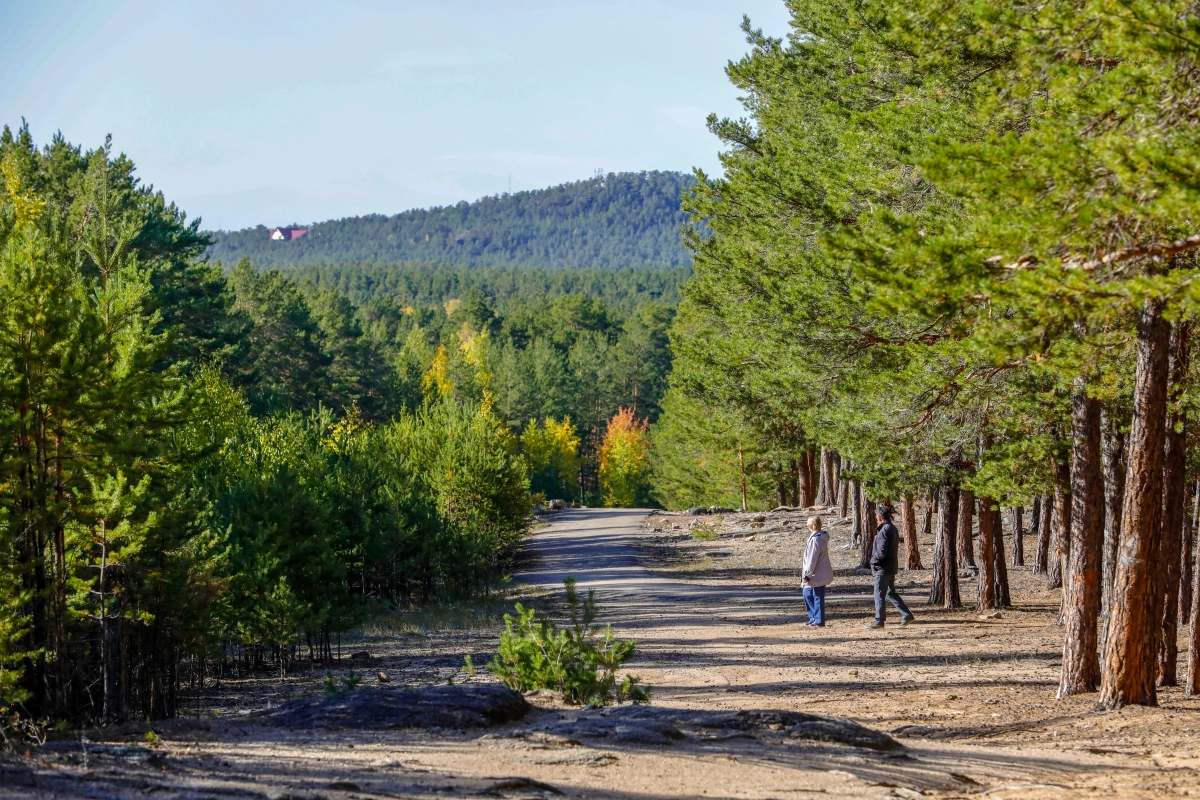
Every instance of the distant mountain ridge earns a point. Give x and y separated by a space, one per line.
628 219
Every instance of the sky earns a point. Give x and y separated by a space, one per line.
277 113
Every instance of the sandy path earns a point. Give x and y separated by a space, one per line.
714 638
732 640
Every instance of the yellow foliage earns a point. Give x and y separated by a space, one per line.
437 384
452 305
27 206
473 350
344 431
553 448
624 459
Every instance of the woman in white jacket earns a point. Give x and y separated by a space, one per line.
818 572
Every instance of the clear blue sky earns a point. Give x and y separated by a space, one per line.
249 112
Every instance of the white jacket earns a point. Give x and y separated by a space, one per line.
817 568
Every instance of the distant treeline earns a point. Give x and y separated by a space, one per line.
622 291
612 221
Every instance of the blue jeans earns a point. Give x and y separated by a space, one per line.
814 602
885 588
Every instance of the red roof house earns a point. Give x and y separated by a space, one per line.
287 234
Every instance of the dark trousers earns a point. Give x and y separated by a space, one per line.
885 586
814 603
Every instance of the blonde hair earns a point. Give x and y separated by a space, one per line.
814 523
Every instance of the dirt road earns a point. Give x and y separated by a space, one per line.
719 626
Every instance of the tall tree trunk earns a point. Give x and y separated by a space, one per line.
1060 549
1003 597
944 589
843 499
868 539
1041 559
1186 562
794 477
966 522
1018 547
1080 664
781 493
742 472
1130 657
987 560
806 487
908 516
825 490
856 521
836 471
1035 515
1174 506
811 470
1114 496
1192 687
927 525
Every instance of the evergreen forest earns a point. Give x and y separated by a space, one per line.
209 464
953 258
950 256
611 221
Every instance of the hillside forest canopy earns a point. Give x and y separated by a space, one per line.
953 258
207 465
618 220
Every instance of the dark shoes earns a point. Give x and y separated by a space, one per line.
876 625
904 623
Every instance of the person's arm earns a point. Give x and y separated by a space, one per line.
823 555
879 551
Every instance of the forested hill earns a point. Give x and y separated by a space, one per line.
613 221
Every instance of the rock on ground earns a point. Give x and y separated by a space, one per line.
454 707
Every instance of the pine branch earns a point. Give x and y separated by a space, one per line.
1147 250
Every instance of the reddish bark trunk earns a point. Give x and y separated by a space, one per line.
1192 687
794 500
1018 548
845 489
1041 560
1081 603
856 520
810 472
836 472
806 487
966 522
1060 531
1003 598
987 560
1186 560
909 522
1130 666
944 588
1174 508
1114 496
867 544
825 489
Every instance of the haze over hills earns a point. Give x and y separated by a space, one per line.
619 220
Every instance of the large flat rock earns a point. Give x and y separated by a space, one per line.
455 707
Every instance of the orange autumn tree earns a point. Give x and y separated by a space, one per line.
624 460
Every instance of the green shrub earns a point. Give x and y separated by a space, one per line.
580 661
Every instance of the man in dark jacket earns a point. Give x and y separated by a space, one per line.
884 563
